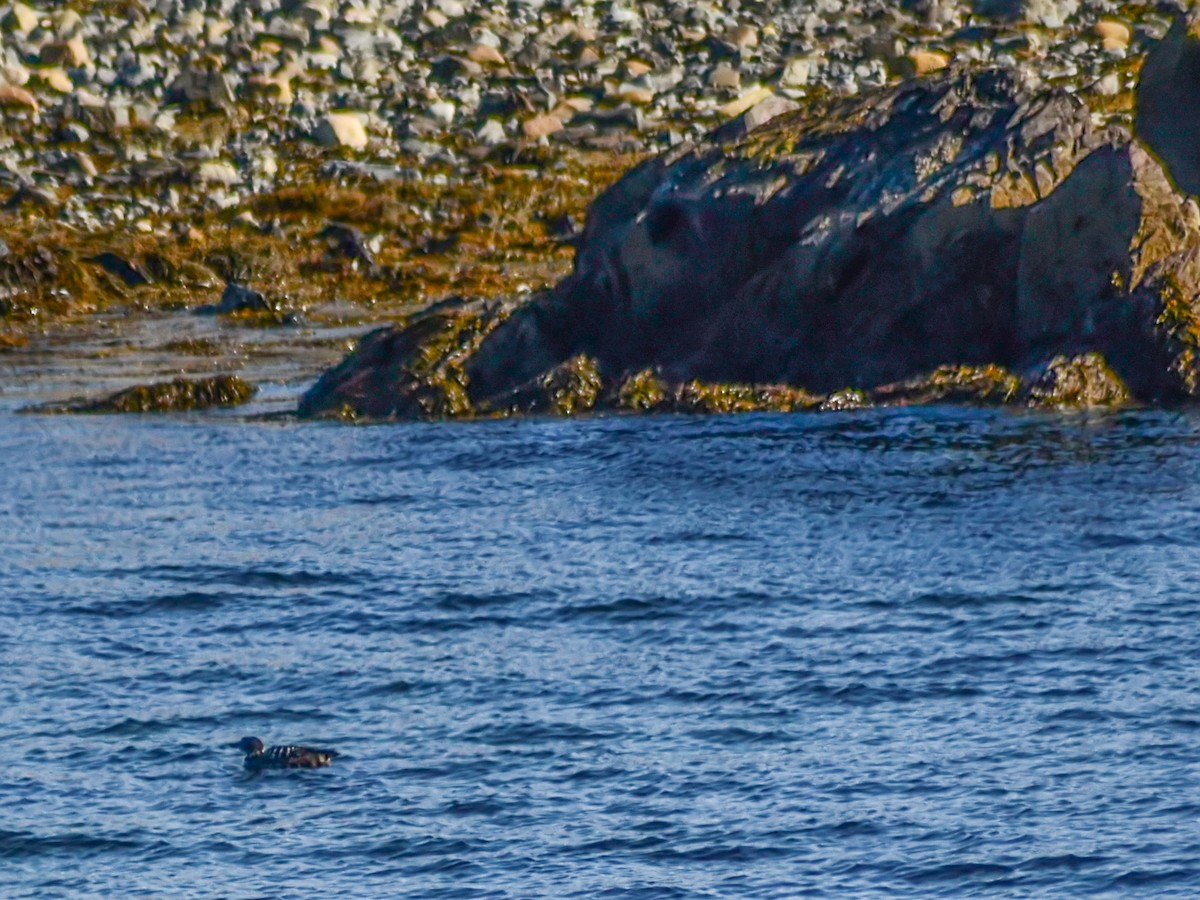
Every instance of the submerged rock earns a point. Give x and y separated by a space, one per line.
967 224
703 397
981 385
648 391
180 395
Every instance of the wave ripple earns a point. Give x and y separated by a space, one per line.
903 654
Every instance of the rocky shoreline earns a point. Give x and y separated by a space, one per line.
306 168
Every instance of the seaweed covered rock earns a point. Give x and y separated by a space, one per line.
569 388
706 397
963 219
649 391
644 391
1081 382
180 395
978 385
968 224
410 372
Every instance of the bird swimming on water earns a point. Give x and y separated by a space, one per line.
289 756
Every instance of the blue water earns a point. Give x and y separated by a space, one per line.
895 653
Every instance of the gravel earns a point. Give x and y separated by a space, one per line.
218 89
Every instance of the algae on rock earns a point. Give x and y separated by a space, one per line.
706 397
568 389
413 372
983 385
644 391
1081 382
179 395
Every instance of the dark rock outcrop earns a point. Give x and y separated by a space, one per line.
920 244
1167 97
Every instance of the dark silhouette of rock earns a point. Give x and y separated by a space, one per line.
239 298
348 242
124 269
1167 95
952 223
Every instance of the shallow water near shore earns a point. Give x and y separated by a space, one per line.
894 653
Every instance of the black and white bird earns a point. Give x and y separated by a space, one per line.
290 756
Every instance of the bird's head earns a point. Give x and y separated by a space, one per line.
250 745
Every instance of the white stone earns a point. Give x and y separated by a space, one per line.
766 110
491 133
218 173
86 166
341 130
324 61
796 73
21 18
442 112
487 38
87 99
267 165
621 15
748 100
67 24
57 80
15 73
724 77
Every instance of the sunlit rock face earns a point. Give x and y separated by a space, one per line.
960 219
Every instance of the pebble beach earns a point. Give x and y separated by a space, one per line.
329 165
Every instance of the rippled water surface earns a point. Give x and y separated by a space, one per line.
936 653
